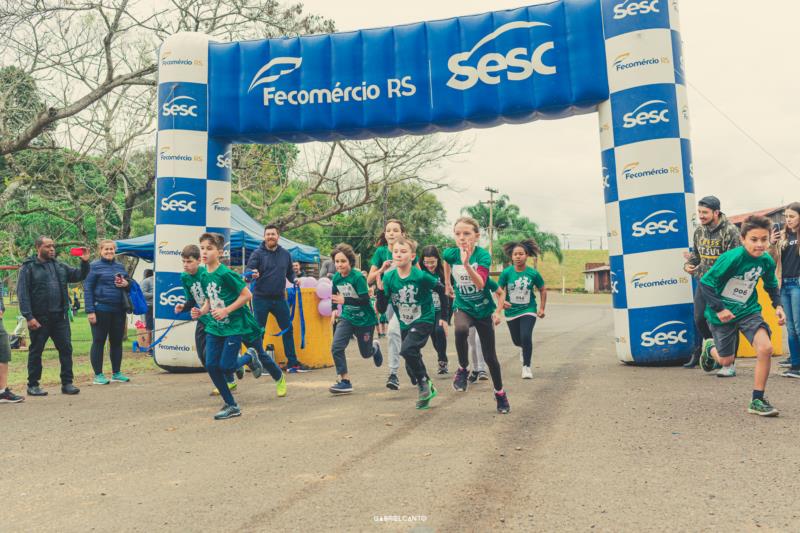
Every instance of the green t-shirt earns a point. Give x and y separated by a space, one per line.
353 286
734 277
469 299
383 254
222 287
519 290
411 296
193 289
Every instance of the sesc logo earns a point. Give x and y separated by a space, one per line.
174 109
288 64
225 160
606 177
518 63
180 202
172 297
650 112
614 283
656 223
666 334
631 9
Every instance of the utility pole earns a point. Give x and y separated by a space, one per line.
491 192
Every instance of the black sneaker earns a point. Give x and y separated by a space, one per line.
460 380
256 366
9 397
240 371
791 373
393 383
35 390
377 355
442 367
473 376
503 407
228 411
786 363
69 389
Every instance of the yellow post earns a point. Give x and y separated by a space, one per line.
745 349
319 336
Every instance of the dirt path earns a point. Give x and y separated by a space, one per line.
589 444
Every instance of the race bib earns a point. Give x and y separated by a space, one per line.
738 290
519 296
409 313
436 302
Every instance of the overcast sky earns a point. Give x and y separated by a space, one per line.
742 58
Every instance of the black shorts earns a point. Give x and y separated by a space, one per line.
726 335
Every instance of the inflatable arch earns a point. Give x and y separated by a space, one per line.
621 58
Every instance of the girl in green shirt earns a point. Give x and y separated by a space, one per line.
517 283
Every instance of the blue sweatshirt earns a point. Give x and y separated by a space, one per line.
99 291
274 268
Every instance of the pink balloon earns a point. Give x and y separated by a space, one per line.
324 281
324 307
308 283
324 291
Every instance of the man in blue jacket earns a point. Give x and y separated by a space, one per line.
43 301
272 266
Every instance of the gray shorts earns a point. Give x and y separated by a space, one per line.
5 349
726 335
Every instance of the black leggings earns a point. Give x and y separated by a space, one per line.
521 330
109 326
485 329
414 339
439 339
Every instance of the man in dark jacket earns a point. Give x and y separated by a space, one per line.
43 301
714 236
272 266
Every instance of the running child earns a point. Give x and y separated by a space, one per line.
357 317
410 292
517 283
473 305
432 262
732 307
478 372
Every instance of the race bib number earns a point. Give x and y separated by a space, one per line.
738 290
464 283
519 296
409 313
436 302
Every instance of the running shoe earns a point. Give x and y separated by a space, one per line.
786 363
526 372
342 387
240 373
256 366
727 371
707 362
791 373
377 355
299 368
503 407
473 376
427 392
442 368
483 375
228 411
100 379
231 387
119 377
280 386
393 383
762 408
9 397
460 380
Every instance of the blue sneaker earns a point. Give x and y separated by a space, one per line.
377 356
342 387
256 367
228 411
299 368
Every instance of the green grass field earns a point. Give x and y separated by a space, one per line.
81 342
572 267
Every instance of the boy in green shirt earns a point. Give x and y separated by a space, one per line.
732 307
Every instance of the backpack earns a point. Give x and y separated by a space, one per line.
138 303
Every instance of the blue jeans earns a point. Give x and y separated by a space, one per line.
262 307
222 357
790 300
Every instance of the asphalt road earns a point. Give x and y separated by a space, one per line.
589 445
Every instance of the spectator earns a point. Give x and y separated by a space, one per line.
327 269
6 396
44 302
297 269
148 288
106 307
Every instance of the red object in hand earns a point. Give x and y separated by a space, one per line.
77 252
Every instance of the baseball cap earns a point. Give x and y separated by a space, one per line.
711 202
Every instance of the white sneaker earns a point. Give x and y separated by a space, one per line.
727 371
526 372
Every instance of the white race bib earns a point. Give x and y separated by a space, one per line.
519 296
409 313
738 290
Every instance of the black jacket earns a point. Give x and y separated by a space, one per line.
33 282
274 268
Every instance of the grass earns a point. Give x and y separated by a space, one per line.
572 268
81 342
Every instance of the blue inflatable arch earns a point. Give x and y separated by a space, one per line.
621 58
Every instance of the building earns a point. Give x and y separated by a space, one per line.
597 277
775 214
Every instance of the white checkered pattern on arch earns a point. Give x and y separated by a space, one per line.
647 180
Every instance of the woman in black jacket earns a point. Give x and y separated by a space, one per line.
106 307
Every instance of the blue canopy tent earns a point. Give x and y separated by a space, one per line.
246 236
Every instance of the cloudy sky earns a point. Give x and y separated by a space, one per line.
740 63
